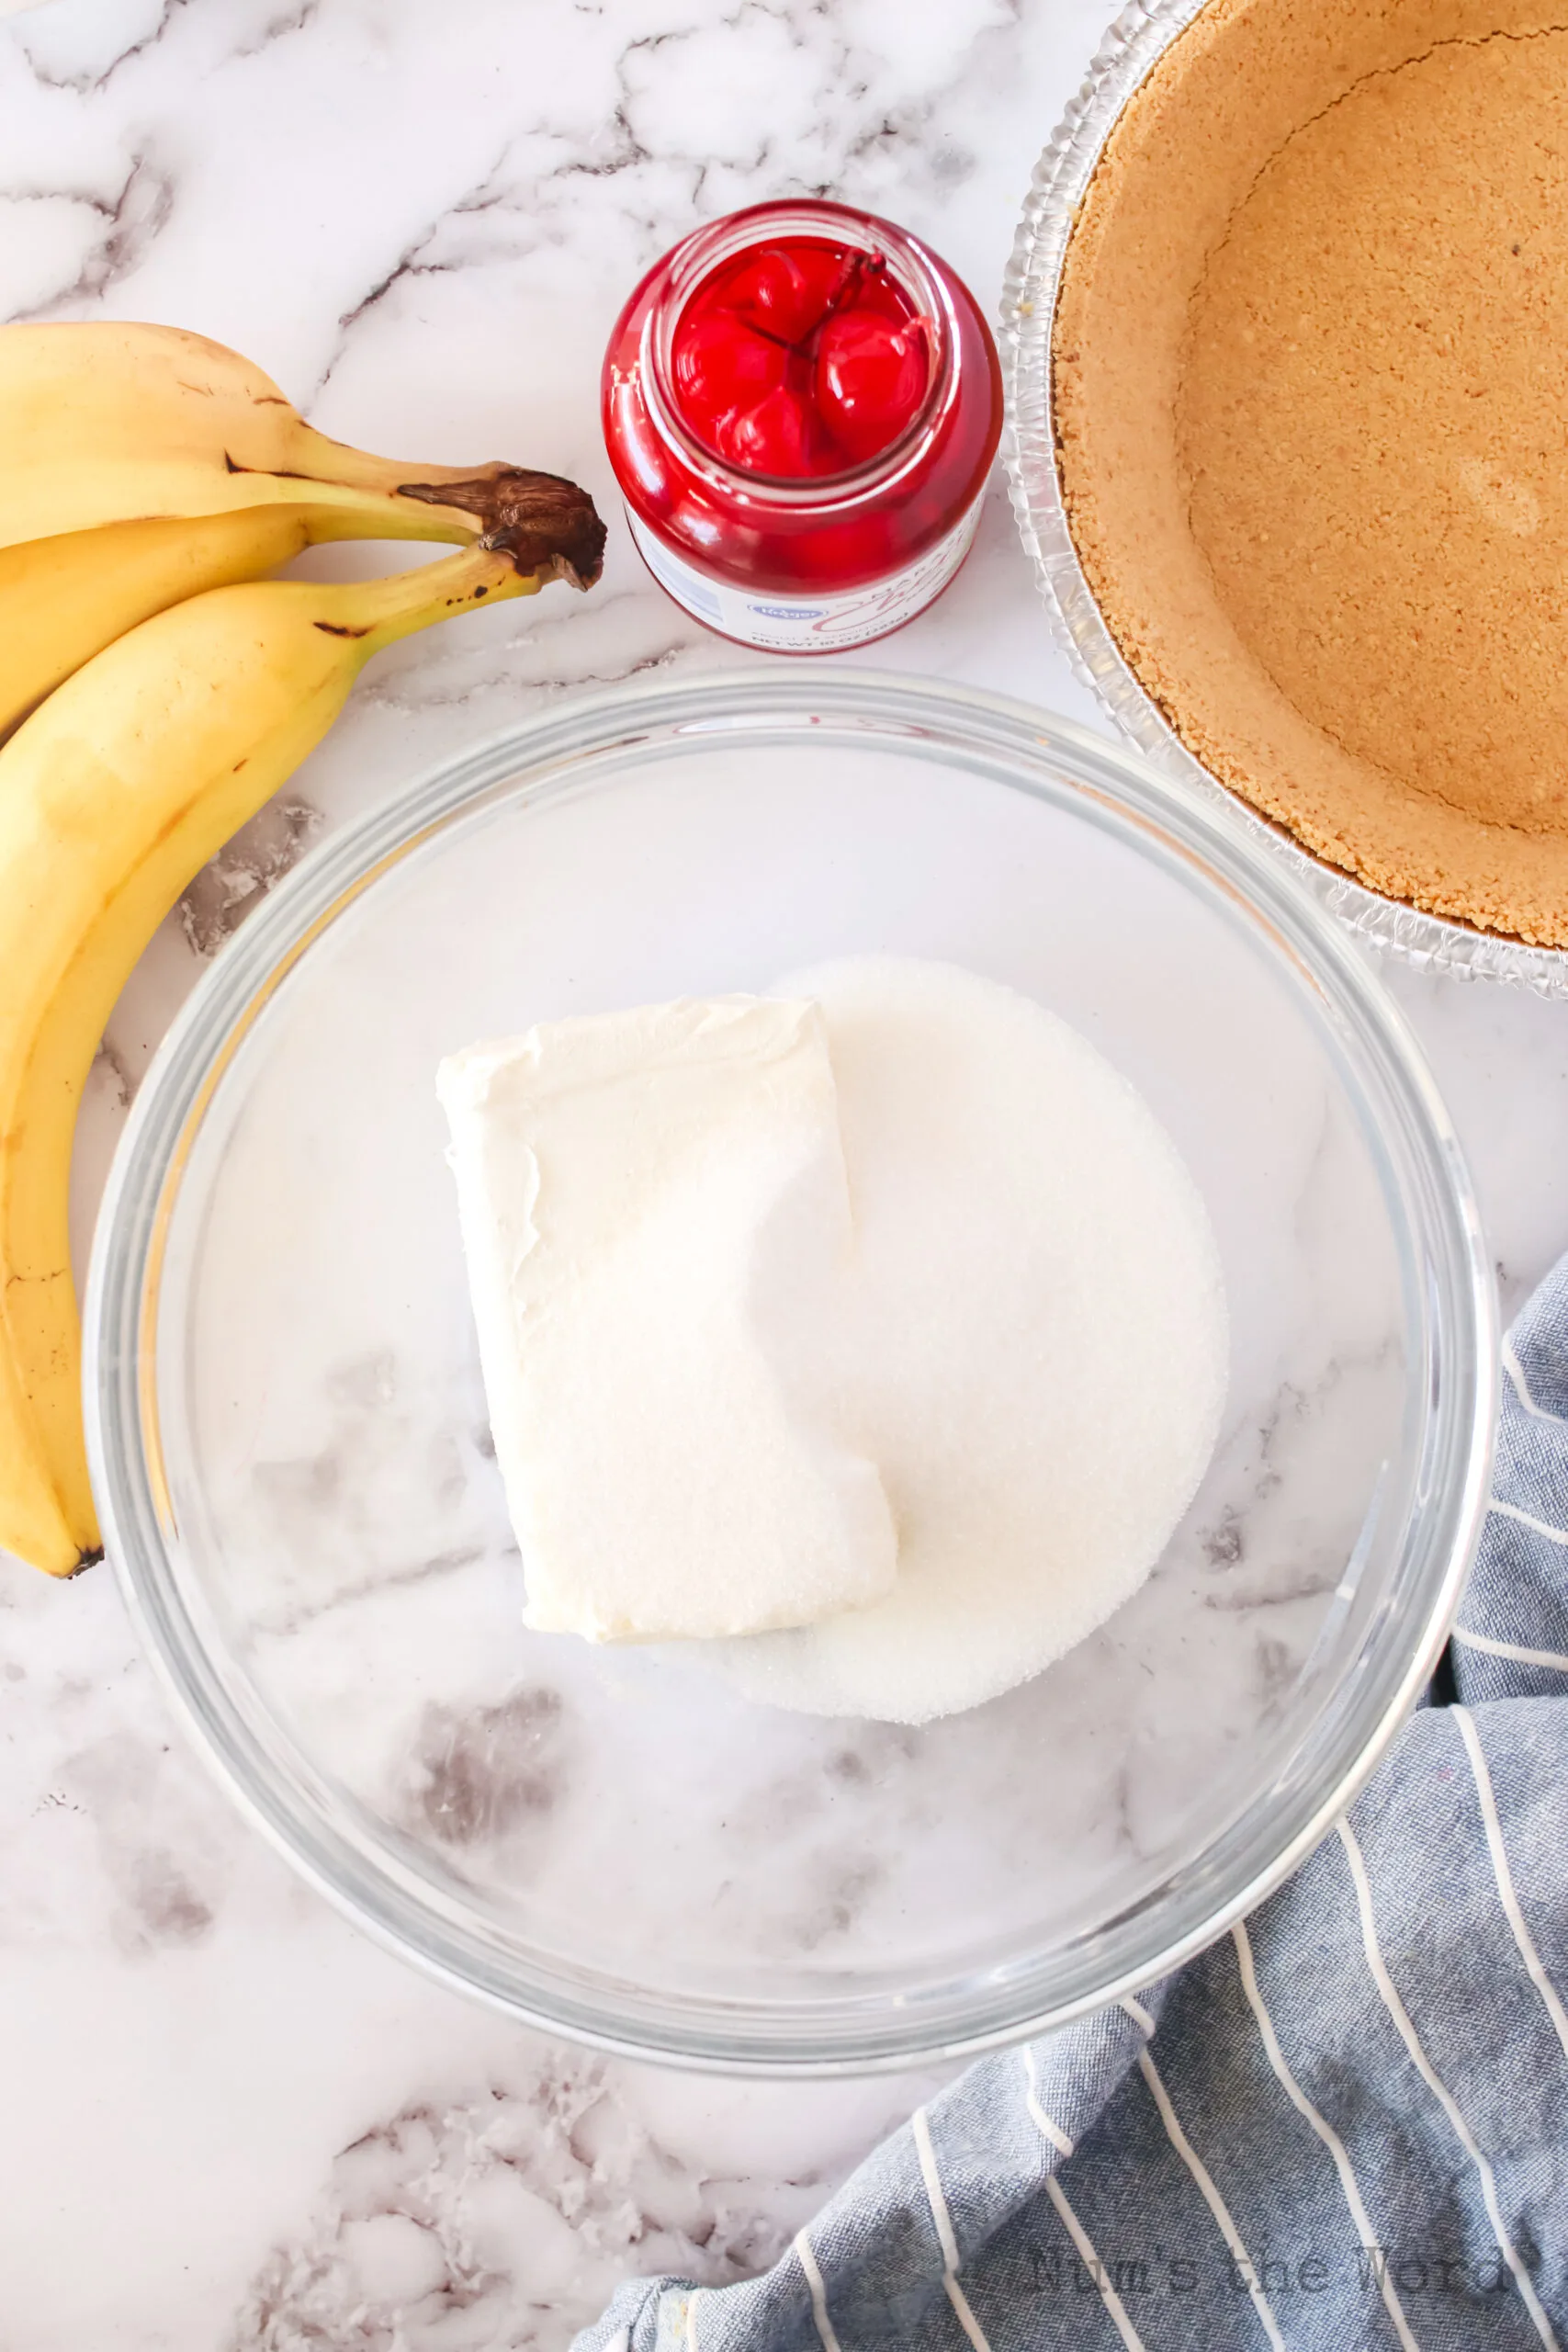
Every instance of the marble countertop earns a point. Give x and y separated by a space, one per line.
231 2124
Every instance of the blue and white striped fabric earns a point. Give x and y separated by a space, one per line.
1344 2128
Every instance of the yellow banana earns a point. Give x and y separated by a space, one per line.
105 422
112 797
121 489
63 599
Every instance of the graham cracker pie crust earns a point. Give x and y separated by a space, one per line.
1310 370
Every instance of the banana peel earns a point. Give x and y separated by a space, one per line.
113 794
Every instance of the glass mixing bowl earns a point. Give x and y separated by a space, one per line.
288 1433
1129 52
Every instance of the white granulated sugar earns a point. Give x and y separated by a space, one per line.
656 1219
1035 1342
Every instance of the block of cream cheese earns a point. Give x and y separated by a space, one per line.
658 1228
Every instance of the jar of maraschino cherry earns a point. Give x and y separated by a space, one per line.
802 403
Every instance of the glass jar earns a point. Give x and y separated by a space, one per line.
817 563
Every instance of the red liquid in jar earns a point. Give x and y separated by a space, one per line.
800 359
802 405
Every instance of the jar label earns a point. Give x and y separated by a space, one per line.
822 623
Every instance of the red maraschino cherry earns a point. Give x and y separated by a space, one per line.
721 365
870 378
778 436
784 290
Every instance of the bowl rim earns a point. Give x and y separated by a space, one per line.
1127 54
1452 1287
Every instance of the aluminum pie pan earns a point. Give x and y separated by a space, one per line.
1131 49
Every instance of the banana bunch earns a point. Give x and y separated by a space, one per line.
148 481
141 465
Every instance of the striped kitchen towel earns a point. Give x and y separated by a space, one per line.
1344 2128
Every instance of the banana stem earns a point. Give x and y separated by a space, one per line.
549 523
318 458
378 612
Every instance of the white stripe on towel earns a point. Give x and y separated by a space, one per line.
1211 2195
1325 2132
1423 2066
1048 2131
945 2239
1504 1876
1139 2014
1516 1372
1528 1519
1083 2245
692 2344
807 2260
1512 1650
